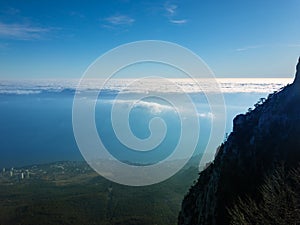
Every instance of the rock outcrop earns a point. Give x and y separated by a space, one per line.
297 77
260 140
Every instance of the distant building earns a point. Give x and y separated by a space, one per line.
3 170
11 173
22 175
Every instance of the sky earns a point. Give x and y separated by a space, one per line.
236 38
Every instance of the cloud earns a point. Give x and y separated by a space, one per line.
11 11
207 115
155 108
171 10
77 14
178 21
152 107
249 48
21 31
118 20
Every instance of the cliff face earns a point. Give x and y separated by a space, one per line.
261 139
297 77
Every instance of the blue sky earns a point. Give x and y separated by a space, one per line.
237 38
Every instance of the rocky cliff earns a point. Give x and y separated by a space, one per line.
260 140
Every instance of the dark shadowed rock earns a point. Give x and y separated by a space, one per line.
260 140
297 77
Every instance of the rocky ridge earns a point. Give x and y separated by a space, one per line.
261 139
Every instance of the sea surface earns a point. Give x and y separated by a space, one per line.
36 115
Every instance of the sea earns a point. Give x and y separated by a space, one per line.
37 116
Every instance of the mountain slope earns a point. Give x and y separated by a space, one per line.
71 193
261 139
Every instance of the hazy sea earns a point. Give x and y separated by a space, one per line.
36 116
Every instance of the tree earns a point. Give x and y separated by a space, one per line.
279 205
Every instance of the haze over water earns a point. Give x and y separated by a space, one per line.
36 116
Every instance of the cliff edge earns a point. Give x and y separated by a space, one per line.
260 140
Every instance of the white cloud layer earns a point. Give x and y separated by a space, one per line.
227 85
120 20
21 31
171 10
153 107
249 48
178 21
207 115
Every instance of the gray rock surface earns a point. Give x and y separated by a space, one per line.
262 138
